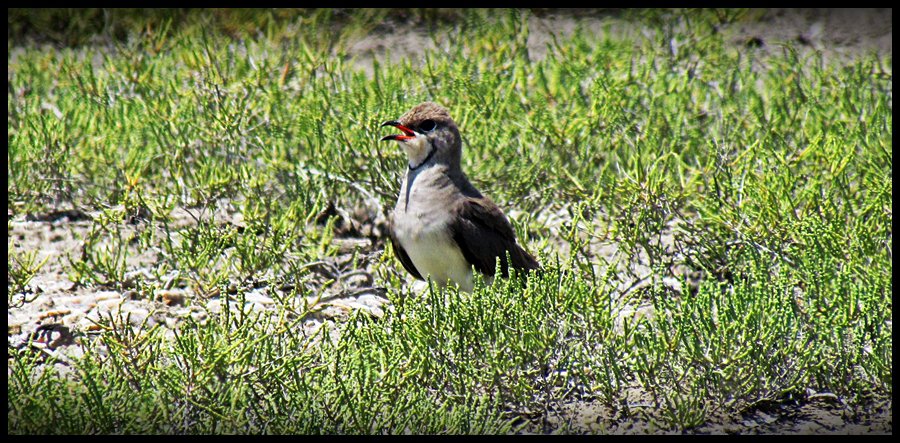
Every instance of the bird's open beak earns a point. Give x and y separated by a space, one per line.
407 133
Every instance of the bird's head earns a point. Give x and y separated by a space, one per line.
429 136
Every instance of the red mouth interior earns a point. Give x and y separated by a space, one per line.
408 133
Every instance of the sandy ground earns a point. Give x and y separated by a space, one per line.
58 310
841 34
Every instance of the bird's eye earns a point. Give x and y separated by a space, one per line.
427 126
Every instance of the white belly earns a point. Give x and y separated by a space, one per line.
421 228
440 260
434 254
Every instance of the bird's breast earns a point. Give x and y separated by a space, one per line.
421 224
423 205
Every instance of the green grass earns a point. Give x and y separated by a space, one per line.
772 171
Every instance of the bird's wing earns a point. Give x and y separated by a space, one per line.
402 255
483 233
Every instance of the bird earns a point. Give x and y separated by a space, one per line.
442 227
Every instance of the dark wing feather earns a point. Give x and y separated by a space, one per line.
403 256
483 234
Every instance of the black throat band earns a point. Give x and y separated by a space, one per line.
427 157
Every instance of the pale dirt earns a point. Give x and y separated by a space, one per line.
65 313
